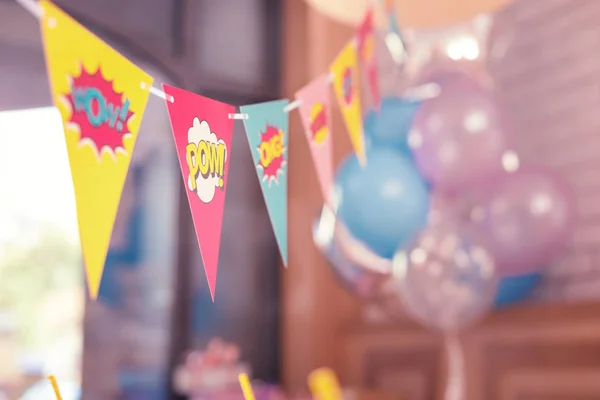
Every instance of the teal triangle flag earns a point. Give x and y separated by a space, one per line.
267 127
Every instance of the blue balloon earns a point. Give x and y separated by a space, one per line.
513 289
383 204
390 125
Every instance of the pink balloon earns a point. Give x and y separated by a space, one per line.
458 137
526 219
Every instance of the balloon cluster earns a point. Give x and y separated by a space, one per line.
443 211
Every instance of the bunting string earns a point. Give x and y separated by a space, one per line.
395 45
101 105
34 8
419 93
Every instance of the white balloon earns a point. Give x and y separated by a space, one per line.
446 279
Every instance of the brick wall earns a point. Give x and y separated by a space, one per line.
550 82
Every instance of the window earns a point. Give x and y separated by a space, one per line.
41 278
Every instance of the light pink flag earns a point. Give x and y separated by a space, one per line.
315 111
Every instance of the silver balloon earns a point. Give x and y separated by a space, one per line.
357 267
446 279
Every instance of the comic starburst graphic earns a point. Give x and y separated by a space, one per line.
274 163
98 112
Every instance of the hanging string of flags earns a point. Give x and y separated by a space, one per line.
102 96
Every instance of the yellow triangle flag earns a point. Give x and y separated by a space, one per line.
101 97
346 85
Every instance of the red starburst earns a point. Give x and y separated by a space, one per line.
100 112
275 164
318 121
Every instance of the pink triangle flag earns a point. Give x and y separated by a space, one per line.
202 131
315 111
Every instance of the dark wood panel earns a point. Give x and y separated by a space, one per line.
230 47
145 22
111 30
24 65
235 45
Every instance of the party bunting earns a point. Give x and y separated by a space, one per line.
346 84
366 49
100 98
203 131
315 112
267 130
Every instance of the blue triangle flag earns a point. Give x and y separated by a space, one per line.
267 127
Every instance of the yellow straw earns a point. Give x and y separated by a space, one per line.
246 388
324 385
55 387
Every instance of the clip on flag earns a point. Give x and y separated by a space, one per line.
202 129
315 111
346 86
101 101
267 130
